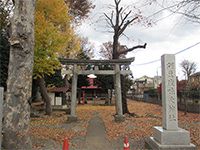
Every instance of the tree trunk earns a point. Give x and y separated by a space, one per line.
19 83
45 96
111 94
115 47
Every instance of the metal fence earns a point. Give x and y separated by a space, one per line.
188 101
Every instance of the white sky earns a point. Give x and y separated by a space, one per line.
167 36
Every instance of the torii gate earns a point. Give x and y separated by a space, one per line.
116 71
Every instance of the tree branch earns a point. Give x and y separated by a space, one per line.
116 27
110 19
117 2
126 24
133 48
123 19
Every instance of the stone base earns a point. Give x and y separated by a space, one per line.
72 118
60 107
170 140
166 137
119 118
152 144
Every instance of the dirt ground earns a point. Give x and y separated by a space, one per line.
48 133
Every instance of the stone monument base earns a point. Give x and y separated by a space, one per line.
72 118
119 118
170 140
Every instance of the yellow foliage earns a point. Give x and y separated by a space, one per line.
53 36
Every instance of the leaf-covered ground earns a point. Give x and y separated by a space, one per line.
56 127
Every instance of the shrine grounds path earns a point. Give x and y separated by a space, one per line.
96 128
95 138
96 135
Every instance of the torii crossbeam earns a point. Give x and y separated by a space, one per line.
117 70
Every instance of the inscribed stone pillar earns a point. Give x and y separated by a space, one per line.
169 94
169 136
118 96
72 116
1 114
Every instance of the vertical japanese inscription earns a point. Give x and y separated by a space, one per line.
171 88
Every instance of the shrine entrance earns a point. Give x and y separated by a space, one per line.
78 67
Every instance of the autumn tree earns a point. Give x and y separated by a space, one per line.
54 38
55 79
87 49
119 20
16 106
79 9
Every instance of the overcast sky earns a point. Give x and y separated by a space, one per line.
166 36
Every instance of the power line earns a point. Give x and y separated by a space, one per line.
148 62
187 48
153 61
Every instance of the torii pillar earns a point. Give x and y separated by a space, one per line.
118 96
72 117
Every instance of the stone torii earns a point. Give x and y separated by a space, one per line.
116 71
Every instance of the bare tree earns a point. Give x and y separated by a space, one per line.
106 50
87 49
188 68
119 19
19 83
188 8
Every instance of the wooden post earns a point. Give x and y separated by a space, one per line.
118 95
73 116
1 113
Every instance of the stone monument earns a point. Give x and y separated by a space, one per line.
169 136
